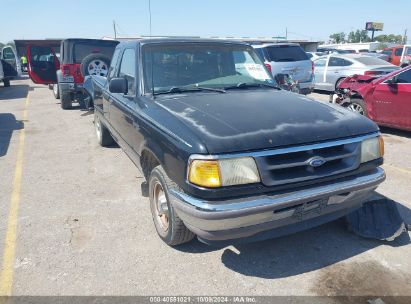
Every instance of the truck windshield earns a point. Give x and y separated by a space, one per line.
191 65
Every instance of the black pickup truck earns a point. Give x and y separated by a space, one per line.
228 156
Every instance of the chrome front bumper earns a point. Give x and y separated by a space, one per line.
244 217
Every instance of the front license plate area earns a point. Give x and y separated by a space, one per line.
308 209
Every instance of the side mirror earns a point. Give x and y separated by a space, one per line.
393 80
118 85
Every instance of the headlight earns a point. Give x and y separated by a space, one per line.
372 148
223 172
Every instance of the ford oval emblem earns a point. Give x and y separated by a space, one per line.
316 161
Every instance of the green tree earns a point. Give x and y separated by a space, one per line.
391 38
338 37
358 36
382 46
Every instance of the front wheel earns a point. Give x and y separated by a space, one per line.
358 105
103 134
169 226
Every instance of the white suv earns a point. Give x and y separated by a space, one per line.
288 58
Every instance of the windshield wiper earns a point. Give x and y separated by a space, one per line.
243 85
175 90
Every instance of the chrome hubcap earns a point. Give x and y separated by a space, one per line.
161 206
97 67
55 89
356 108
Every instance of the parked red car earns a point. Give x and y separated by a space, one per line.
386 100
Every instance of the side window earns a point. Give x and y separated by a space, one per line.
398 52
387 52
404 77
345 62
128 70
334 61
8 53
114 59
320 63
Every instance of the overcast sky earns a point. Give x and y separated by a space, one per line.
304 19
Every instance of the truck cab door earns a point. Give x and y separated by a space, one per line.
43 64
124 111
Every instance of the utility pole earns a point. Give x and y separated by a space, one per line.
115 30
286 33
405 38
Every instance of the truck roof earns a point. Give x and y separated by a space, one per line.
179 40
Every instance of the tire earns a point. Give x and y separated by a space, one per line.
6 82
103 134
358 105
337 84
95 64
56 91
170 228
66 102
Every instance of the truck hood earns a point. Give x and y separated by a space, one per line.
261 119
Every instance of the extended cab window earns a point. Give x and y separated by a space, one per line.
128 70
260 52
404 77
201 65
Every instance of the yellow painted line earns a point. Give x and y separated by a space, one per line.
398 169
6 276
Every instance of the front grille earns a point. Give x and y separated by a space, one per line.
298 164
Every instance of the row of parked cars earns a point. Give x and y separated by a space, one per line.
374 86
228 156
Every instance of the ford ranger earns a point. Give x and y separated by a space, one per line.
228 156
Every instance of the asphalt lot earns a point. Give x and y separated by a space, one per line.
84 228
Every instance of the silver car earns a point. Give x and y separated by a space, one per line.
331 70
288 58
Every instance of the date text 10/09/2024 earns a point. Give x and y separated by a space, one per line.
203 299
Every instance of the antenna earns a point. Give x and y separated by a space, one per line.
149 12
152 57
115 30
